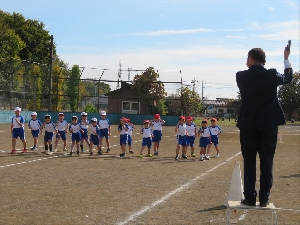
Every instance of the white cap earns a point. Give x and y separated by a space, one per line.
103 113
34 114
18 109
84 114
94 119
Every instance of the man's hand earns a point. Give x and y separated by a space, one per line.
286 53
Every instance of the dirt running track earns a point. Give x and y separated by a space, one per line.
58 189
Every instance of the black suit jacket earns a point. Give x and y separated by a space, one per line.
260 106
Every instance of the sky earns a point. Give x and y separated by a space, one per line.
206 40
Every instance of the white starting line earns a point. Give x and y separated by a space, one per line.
167 196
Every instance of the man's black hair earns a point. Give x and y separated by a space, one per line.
257 55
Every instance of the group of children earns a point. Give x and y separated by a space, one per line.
151 132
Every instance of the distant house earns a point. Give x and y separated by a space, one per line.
216 107
102 101
126 100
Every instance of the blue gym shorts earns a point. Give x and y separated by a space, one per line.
190 141
147 142
76 137
215 140
103 133
62 135
123 139
84 135
35 133
181 140
18 132
48 136
204 142
94 139
129 140
156 136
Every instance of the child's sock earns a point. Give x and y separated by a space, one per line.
46 147
50 147
81 147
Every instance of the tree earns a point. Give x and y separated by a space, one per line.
234 105
289 96
148 87
73 87
90 109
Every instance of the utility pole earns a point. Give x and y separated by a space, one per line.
194 81
181 96
202 90
98 105
50 74
119 74
129 69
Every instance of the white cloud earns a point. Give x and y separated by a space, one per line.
271 8
171 32
235 36
285 30
232 30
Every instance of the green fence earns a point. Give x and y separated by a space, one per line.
6 116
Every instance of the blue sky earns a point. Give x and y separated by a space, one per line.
208 40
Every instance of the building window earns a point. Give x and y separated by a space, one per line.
130 107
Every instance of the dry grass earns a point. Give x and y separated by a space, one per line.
106 189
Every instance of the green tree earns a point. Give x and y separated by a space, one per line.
148 87
73 88
234 105
90 109
289 96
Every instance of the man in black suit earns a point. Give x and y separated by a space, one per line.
258 121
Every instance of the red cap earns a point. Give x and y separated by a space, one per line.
182 118
156 116
213 119
146 121
189 118
128 120
204 121
123 118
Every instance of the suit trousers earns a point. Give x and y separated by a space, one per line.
263 142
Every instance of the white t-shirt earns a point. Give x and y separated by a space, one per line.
157 125
191 129
49 127
61 125
204 132
146 132
74 128
104 124
130 129
34 124
123 131
181 129
84 124
14 122
215 130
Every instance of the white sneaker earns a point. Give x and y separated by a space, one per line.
217 156
49 153
65 149
201 157
55 150
207 157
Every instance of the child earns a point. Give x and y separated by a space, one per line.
123 130
205 139
75 129
130 130
84 123
62 127
191 132
157 132
146 131
50 128
104 126
94 137
181 137
215 131
35 125
17 130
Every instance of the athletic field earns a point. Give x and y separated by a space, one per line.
61 189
